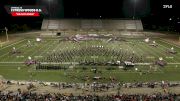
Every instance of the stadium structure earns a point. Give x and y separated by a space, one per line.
91 26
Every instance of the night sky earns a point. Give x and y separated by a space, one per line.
147 10
96 8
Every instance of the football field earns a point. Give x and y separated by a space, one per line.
12 66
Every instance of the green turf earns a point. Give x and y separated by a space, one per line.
9 64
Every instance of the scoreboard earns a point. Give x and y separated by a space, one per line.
29 11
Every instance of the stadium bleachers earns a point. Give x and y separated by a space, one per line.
91 24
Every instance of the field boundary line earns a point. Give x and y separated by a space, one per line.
152 63
143 63
174 63
11 62
78 63
69 72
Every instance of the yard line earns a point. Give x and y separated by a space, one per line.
13 44
32 51
136 50
8 53
11 62
162 49
147 48
169 43
168 49
161 54
171 63
57 48
49 47
174 63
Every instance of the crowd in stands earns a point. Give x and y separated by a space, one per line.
29 96
95 88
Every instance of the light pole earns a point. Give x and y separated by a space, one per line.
49 2
7 37
134 14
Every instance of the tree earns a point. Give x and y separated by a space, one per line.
25 27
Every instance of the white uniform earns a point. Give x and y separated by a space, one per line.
14 48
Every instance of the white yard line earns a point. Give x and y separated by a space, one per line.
153 49
31 50
58 48
147 48
49 47
151 63
11 62
8 52
169 43
168 49
36 51
13 44
174 63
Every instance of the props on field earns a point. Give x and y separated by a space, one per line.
146 40
172 51
160 62
172 48
38 39
153 44
29 58
29 41
14 50
129 64
160 58
30 61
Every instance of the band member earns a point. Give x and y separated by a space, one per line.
29 43
14 50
